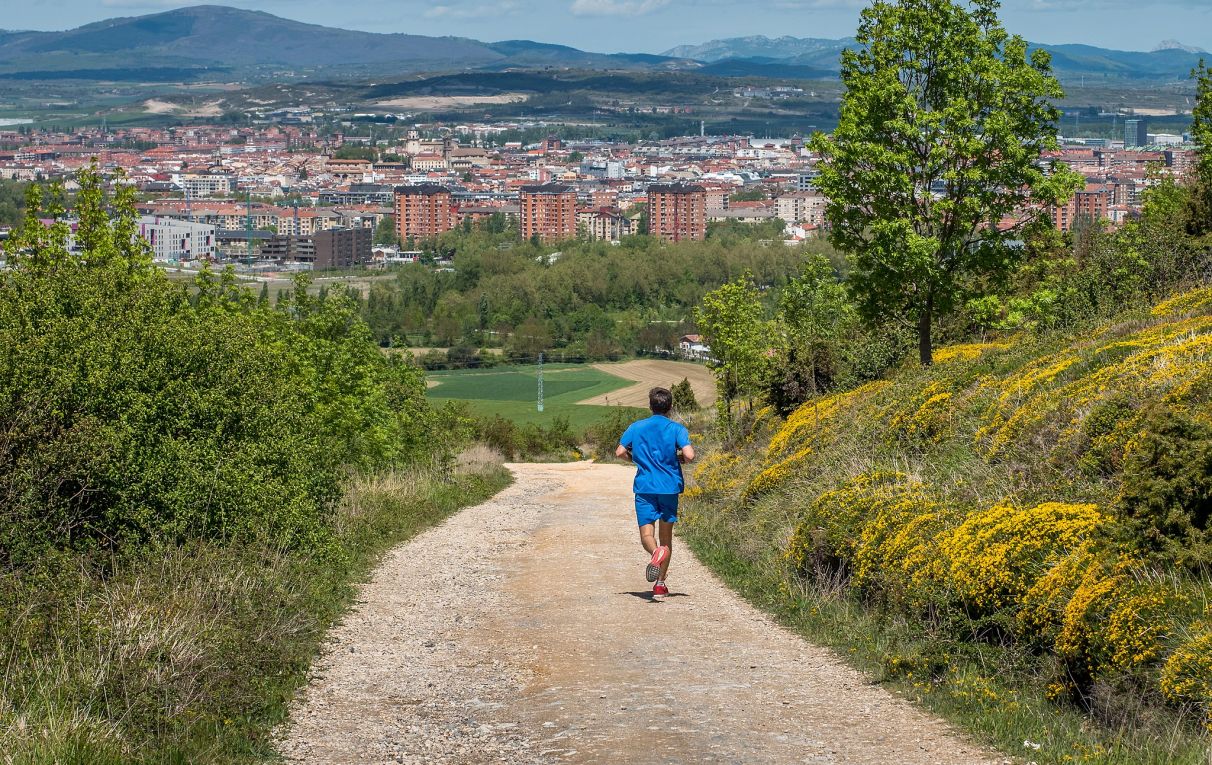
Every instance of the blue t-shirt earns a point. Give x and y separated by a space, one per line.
654 444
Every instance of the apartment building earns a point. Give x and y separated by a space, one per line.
802 207
548 211
677 212
423 211
334 248
604 224
205 184
1089 205
174 240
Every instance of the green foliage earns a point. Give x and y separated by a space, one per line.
1199 212
385 232
12 202
529 441
732 320
749 195
938 98
192 653
597 299
604 435
1167 494
356 152
133 412
684 400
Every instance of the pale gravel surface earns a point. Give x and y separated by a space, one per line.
519 631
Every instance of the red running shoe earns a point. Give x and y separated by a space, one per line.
659 591
654 566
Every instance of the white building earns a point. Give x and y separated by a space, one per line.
174 240
204 184
802 207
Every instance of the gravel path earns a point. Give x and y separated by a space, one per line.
520 631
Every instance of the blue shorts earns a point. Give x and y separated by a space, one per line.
650 507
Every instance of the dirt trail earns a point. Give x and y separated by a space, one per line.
520 631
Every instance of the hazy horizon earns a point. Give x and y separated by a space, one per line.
654 26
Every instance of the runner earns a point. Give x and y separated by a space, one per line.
657 445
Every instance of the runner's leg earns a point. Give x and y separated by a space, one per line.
648 537
666 532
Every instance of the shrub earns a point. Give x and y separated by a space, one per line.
684 400
995 555
1167 488
1186 676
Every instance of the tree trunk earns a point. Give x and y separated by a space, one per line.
925 348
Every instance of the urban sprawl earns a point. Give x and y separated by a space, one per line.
279 197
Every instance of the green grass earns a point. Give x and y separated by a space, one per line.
512 393
193 653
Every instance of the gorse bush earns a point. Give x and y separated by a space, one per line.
131 410
1046 497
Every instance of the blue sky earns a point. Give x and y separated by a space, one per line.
656 25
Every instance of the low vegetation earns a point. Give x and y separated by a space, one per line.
1023 521
191 481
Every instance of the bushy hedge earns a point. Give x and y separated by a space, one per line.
134 408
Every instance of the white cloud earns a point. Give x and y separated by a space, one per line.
470 11
615 7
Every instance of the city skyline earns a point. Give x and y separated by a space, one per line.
610 26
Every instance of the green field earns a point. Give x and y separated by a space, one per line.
512 392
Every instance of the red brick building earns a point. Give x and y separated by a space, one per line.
677 212
423 211
1089 205
549 211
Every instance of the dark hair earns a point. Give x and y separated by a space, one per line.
660 400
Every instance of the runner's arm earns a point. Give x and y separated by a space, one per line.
686 454
622 452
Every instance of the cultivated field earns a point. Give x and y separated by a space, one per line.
648 373
512 392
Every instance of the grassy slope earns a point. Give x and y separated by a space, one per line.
192 654
512 393
917 582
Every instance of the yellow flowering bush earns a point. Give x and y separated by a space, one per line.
720 472
1187 303
926 416
1186 677
898 547
777 473
1169 362
831 528
966 352
996 555
814 418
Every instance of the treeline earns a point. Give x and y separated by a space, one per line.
580 298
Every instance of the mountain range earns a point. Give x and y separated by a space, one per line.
211 42
1170 60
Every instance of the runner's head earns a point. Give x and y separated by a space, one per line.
660 400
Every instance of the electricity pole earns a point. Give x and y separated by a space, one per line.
540 407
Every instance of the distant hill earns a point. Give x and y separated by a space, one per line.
211 41
1170 61
208 37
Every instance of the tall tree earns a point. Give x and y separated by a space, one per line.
731 319
1199 216
943 129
